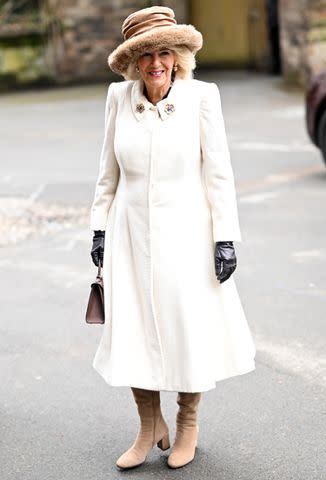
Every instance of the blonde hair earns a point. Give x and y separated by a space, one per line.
184 58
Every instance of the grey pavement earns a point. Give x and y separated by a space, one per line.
59 419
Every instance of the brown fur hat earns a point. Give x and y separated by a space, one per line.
152 28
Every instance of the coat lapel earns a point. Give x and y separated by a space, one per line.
165 107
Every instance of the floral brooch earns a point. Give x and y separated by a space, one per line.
169 108
140 107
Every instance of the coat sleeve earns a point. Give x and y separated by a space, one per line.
216 167
109 171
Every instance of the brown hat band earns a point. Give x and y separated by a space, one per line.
135 25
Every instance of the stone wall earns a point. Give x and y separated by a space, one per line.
316 38
23 60
90 31
76 39
302 38
23 45
82 33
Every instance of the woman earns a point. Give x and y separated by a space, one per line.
164 218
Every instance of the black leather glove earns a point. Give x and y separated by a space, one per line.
225 260
97 251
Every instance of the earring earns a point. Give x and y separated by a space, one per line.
137 69
175 67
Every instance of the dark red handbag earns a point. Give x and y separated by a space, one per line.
95 307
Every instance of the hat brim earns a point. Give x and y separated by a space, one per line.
156 39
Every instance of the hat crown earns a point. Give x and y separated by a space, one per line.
147 19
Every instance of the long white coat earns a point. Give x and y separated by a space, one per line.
165 194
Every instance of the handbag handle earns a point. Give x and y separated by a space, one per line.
99 269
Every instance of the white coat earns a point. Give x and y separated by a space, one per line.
164 195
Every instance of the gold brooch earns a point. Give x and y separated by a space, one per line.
169 108
140 107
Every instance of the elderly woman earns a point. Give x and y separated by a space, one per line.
164 218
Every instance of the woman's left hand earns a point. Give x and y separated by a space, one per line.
225 260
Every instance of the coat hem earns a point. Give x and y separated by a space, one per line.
176 388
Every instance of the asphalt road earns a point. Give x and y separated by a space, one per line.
59 419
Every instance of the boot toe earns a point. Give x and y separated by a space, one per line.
129 460
175 462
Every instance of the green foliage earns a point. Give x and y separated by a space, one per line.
14 10
26 29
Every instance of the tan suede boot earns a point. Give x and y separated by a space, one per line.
183 450
153 429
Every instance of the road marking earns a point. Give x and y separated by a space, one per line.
258 197
277 179
308 254
70 245
290 112
37 192
274 147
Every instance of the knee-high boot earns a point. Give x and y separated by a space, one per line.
183 450
153 429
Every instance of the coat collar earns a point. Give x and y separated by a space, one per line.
140 104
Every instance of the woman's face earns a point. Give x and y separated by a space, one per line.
155 67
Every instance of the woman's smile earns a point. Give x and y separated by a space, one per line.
156 73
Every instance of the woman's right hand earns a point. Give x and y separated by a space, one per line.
97 251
